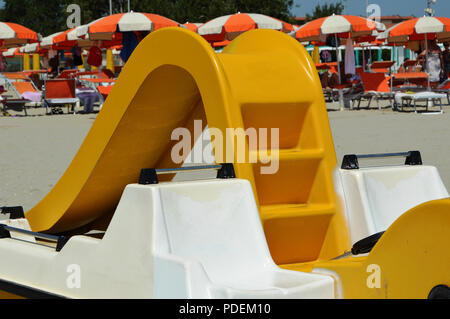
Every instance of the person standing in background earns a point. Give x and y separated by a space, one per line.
54 65
434 62
76 56
446 57
3 63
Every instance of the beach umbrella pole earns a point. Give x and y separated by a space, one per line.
364 59
426 60
340 92
337 58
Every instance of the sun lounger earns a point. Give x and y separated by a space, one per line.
381 66
85 74
413 98
359 70
408 80
37 77
60 92
21 92
11 77
102 86
330 66
104 90
337 93
407 66
444 88
67 74
376 85
13 103
29 92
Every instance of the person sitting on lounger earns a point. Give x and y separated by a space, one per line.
331 79
328 80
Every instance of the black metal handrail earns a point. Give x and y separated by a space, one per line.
150 175
350 161
60 240
187 169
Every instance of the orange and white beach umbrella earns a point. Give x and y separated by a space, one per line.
295 28
30 48
392 41
191 26
12 52
12 34
69 38
345 26
65 36
219 44
104 28
424 28
415 29
48 40
230 26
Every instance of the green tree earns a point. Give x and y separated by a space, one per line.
204 10
41 16
325 10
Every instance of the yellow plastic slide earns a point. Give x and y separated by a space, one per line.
249 85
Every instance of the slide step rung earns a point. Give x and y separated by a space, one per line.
295 210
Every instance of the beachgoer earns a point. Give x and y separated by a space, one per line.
69 63
330 80
434 62
325 56
87 98
54 65
3 62
446 57
76 56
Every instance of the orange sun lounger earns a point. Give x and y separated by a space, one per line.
381 66
104 90
376 85
60 92
21 91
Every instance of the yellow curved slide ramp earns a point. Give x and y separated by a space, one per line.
263 79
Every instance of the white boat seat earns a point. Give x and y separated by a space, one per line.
375 197
216 224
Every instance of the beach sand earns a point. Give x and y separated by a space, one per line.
37 149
